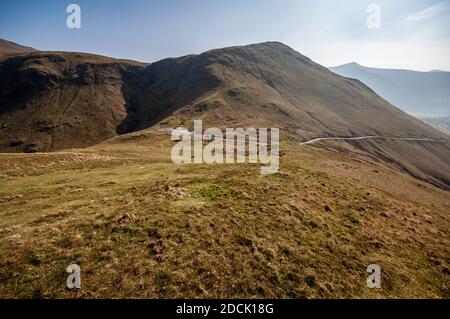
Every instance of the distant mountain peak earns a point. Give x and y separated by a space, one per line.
412 91
348 65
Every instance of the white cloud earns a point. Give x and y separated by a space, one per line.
430 12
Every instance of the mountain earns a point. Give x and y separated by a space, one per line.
267 84
140 226
418 93
55 100
441 122
8 48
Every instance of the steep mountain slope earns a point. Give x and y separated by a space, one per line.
55 100
271 84
52 101
8 49
418 93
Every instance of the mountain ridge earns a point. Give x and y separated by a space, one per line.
56 100
414 92
9 48
356 64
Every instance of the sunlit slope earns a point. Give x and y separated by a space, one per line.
140 226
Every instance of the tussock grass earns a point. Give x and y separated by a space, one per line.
309 231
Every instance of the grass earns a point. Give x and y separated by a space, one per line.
309 231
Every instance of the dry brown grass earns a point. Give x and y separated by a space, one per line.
140 226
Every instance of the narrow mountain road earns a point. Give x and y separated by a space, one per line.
416 139
373 137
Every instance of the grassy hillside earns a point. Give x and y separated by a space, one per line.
8 49
108 197
140 226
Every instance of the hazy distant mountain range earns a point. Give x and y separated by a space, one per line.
423 94
442 123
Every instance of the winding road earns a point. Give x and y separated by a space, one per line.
414 139
373 137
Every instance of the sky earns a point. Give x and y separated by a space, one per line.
412 34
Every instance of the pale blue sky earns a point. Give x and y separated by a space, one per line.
414 34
